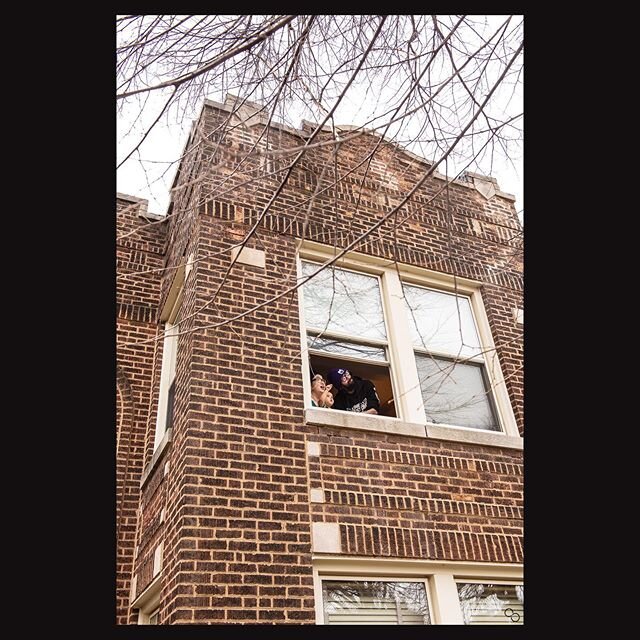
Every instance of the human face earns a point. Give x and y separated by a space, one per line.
321 392
346 380
318 384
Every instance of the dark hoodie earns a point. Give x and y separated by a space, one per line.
364 397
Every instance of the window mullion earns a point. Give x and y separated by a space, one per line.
346 337
399 611
446 603
453 357
407 394
306 383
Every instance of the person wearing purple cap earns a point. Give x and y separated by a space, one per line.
353 393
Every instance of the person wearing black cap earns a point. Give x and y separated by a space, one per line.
354 393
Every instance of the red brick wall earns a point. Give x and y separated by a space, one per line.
454 230
244 522
137 297
419 499
178 489
237 530
163 488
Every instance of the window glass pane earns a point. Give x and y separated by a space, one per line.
371 602
492 603
343 301
455 394
170 400
439 324
330 345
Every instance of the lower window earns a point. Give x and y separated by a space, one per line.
148 603
490 603
420 593
375 602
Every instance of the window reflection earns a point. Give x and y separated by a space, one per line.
455 393
441 322
375 602
343 301
492 603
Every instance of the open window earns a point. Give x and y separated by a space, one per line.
377 373
423 338
345 326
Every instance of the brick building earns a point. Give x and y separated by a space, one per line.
240 502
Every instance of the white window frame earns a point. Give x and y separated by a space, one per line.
441 579
169 353
148 602
405 382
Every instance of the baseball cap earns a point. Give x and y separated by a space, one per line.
334 376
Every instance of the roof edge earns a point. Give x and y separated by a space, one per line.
143 202
306 127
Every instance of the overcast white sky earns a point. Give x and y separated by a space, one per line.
150 171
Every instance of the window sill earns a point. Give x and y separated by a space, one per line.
395 426
158 454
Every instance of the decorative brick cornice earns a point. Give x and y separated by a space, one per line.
429 544
137 313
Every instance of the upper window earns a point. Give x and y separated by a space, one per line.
343 302
416 335
453 381
166 397
345 323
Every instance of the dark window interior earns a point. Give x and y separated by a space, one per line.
377 373
170 398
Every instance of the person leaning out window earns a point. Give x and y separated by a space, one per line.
321 395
